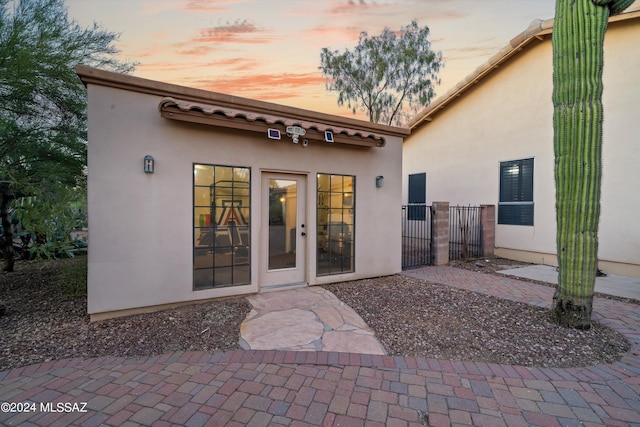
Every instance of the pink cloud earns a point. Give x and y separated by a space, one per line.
163 66
238 32
263 86
351 6
234 64
194 50
207 5
373 15
324 33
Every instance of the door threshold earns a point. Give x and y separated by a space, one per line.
283 286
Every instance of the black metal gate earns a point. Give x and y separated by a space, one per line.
465 236
416 235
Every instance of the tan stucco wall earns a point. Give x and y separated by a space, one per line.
141 250
508 116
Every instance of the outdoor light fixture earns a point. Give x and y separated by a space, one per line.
379 181
328 136
295 132
148 164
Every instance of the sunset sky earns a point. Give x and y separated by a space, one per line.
270 49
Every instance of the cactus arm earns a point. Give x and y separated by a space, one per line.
615 6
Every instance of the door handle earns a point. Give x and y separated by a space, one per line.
303 234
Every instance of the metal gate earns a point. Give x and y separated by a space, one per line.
465 232
416 235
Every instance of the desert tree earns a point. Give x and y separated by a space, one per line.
43 102
390 76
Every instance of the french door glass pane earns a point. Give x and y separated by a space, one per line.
283 208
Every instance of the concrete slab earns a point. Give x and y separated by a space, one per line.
611 284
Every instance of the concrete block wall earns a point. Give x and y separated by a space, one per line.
440 232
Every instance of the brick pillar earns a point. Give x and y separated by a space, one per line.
488 229
440 233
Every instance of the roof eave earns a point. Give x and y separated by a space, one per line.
220 116
90 75
537 32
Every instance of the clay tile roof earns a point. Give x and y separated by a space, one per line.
214 108
218 115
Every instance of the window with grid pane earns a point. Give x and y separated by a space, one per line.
221 227
336 223
516 192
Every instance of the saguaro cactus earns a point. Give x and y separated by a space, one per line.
578 46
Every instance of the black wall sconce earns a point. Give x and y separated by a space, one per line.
149 164
379 181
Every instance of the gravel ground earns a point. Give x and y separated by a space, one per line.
410 317
413 317
42 323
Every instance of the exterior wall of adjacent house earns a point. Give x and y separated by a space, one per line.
508 116
142 225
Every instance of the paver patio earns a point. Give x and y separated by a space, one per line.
295 388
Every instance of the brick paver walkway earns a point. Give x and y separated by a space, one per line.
259 388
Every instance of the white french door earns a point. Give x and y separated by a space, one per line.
283 241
